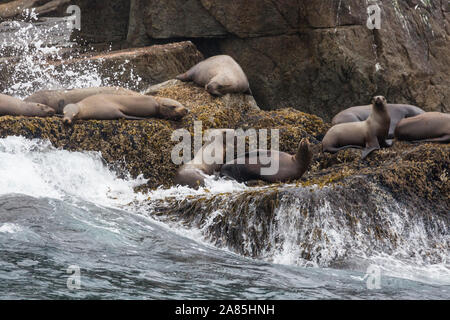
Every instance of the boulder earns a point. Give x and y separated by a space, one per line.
137 67
19 8
144 147
317 56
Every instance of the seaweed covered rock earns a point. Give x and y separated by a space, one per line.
395 203
144 147
144 66
317 56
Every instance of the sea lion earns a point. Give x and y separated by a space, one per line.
58 99
194 172
426 127
249 167
15 107
397 112
110 107
369 134
219 74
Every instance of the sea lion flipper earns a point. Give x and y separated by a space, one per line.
184 77
367 151
133 118
371 145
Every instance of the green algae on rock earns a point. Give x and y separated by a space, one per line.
144 147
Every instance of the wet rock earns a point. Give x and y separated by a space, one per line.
316 56
228 100
104 24
144 66
395 202
19 8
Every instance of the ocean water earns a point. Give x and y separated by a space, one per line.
62 211
70 228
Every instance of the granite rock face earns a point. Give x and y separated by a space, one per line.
315 56
18 8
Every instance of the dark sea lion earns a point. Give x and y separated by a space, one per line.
248 167
15 107
426 127
110 107
58 99
369 134
219 75
397 112
194 173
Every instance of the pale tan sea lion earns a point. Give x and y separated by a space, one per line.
58 99
110 107
248 167
15 107
369 134
426 127
219 75
194 173
397 112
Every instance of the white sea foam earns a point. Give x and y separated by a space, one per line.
35 168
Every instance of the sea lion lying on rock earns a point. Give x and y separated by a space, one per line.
58 99
110 107
369 134
15 107
219 75
194 173
396 112
250 166
427 127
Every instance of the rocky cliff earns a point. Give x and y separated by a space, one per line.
316 56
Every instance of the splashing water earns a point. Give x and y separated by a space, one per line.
36 56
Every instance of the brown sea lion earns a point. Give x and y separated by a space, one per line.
15 107
397 112
249 167
58 99
369 134
110 107
426 127
194 173
219 75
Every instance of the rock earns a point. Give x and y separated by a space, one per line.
104 24
316 56
342 207
139 67
228 100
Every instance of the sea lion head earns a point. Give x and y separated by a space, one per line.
217 89
379 102
171 109
70 113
